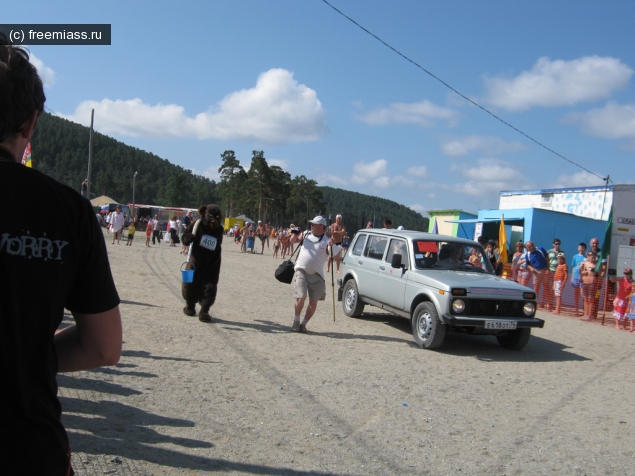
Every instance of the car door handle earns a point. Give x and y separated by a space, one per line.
382 268
360 262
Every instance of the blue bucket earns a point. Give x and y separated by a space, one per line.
250 242
187 275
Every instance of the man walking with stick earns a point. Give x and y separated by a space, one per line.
309 270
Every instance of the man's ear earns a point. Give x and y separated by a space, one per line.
29 125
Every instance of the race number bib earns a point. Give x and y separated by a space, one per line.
208 242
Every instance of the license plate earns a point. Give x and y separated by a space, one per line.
500 324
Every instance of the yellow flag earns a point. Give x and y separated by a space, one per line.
502 242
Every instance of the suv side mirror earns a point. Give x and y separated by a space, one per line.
395 262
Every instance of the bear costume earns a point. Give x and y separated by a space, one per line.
205 237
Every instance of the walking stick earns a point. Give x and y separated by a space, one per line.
332 282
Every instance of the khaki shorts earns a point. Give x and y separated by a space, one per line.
313 284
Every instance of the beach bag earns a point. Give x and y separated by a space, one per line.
285 271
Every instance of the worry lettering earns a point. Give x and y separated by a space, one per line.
32 247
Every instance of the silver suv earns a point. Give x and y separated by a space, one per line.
441 283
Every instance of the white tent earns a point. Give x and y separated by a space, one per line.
247 220
103 200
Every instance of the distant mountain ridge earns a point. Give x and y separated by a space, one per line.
60 149
358 208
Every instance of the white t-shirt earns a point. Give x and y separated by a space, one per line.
116 221
314 253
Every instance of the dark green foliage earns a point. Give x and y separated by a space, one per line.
357 209
60 149
267 193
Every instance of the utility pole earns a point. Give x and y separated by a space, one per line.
90 153
134 216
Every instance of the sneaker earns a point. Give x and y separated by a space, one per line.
296 326
303 329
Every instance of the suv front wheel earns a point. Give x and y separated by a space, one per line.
351 303
515 340
427 329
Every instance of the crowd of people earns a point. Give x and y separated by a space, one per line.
278 240
116 222
548 273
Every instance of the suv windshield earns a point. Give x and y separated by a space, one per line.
432 254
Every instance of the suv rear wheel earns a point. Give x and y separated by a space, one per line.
351 303
427 329
515 340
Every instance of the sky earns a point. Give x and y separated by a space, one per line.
324 99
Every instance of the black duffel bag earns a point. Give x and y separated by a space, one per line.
285 271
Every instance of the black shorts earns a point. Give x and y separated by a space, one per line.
130 237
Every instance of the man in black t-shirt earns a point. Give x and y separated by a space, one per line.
48 263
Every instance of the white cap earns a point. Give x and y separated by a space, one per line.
318 220
400 227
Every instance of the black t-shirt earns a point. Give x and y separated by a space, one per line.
52 257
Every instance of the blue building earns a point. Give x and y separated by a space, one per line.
539 226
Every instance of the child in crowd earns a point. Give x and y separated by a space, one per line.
276 245
576 283
559 279
475 258
620 303
149 229
587 273
131 230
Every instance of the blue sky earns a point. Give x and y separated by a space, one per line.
324 99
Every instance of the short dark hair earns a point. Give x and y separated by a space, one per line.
583 245
557 240
387 221
21 90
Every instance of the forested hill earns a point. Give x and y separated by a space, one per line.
357 209
60 149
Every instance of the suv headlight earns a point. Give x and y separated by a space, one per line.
529 308
458 306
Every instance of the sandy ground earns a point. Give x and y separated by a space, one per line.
244 395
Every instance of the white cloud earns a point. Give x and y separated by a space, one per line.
210 172
331 180
420 171
613 121
418 208
488 145
423 113
488 177
47 75
364 172
277 110
559 83
579 179
375 174
283 164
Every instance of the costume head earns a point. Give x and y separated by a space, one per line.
211 216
